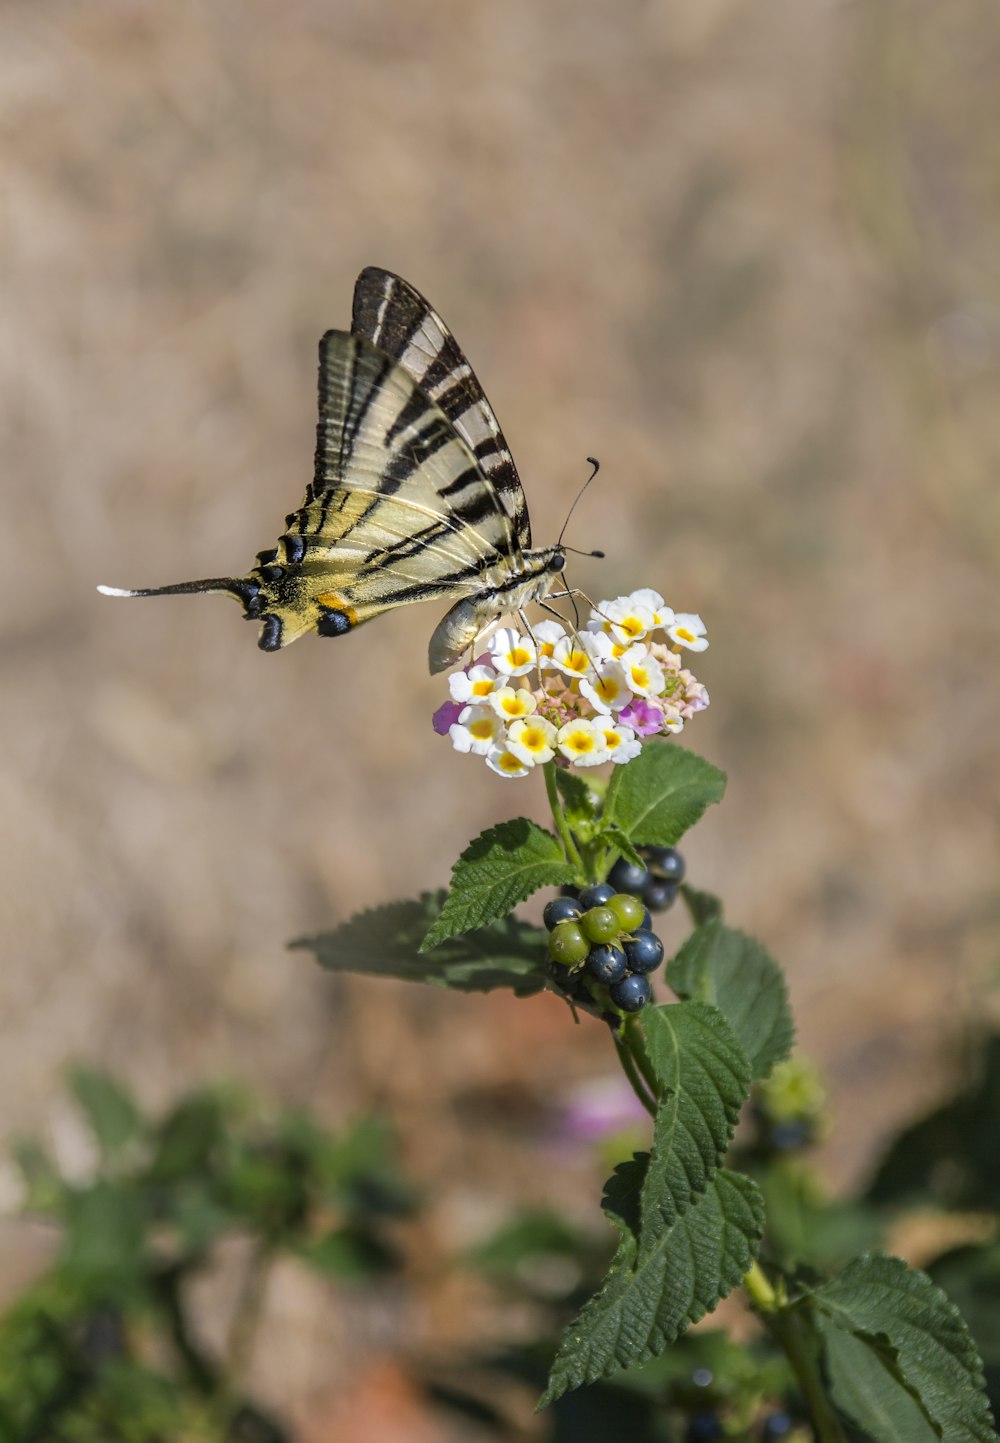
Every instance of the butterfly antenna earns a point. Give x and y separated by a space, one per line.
236 586
597 466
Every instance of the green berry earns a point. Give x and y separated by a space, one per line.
629 911
600 925
567 944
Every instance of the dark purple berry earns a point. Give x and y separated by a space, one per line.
658 896
646 925
703 1428
666 863
644 952
631 993
560 909
606 963
787 1136
596 896
625 876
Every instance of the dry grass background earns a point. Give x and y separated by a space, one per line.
746 253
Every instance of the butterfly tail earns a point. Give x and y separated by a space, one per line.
243 589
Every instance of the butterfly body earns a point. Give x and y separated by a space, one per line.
414 497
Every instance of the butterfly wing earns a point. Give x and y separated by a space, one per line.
399 509
389 312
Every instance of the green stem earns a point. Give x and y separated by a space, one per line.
633 1074
788 1330
559 817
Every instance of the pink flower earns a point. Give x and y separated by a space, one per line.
644 717
446 716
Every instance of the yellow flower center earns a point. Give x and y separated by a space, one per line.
607 689
613 740
578 661
632 626
481 729
685 635
640 676
515 706
547 648
482 688
520 656
580 742
510 763
533 738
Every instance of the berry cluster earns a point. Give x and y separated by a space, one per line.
603 937
656 883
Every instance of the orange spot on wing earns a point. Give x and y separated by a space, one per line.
337 603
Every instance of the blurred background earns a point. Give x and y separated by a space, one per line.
747 254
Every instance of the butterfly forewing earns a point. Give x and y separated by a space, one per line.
400 322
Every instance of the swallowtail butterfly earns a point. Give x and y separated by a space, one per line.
415 495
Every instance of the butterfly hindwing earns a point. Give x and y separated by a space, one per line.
399 321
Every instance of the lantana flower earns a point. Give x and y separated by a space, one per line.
577 698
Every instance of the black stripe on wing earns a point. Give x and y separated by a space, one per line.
393 315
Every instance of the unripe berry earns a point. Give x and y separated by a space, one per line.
631 993
644 952
560 909
567 944
629 911
600 924
606 964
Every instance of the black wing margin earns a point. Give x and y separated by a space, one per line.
396 318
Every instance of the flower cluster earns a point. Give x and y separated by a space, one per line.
581 697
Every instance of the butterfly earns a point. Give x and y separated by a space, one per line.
415 495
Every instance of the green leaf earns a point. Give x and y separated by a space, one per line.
734 973
661 793
704 1079
615 837
352 1254
104 1239
648 1299
703 906
500 868
579 802
386 942
187 1138
914 1342
113 1116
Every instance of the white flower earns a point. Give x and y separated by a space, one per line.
673 721
477 729
652 600
609 691
643 673
510 704
502 760
621 741
570 656
547 633
688 630
583 742
531 739
627 621
512 654
474 685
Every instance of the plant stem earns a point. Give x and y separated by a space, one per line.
788 1330
246 1316
633 1074
559 817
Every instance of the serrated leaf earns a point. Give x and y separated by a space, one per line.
113 1116
916 1343
385 942
578 800
704 1080
733 972
662 792
865 1388
647 1301
502 867
702 906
